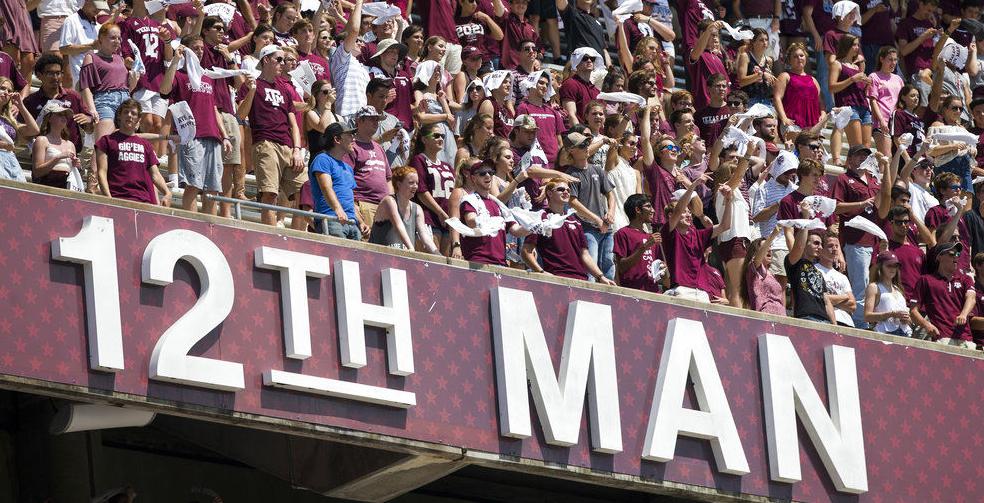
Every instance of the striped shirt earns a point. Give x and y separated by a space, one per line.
350 79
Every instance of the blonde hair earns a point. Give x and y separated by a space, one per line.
7 111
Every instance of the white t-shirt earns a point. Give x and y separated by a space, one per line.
838 284
741 226
77 31
921 200
51 8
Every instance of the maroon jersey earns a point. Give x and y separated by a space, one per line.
627 240
560 253
850 188
711 122
128 161
579 91
144 33
486 249
436 178
372 171
686 254
937 217
942 299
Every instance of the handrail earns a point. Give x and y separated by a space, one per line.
239 203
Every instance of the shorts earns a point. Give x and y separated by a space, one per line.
200 164
367 211
107 102
732 249
862 114
231 126
340 230
50 32
271 165
151 102
306 199
546 9
778 267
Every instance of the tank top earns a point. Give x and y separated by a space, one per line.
502 119
758 90
383 233
802 100
890 300
853 95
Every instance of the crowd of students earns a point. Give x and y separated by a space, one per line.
479 129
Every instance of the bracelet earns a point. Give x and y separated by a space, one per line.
455 245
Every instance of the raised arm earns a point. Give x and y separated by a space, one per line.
352 28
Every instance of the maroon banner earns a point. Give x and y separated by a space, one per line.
920 408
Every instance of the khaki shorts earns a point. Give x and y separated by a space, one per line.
50 32
235 135
778 267
367 211
271 165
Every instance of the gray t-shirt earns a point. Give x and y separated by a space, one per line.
592 190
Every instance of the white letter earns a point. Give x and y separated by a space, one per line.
686 352
588 358
95 248
393 315
838 437
294 268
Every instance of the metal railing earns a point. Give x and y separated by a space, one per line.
237 209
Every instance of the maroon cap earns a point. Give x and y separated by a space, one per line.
470 52
887 257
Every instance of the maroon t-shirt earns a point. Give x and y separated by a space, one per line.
686 254
436 178
268 117
144 33
937 217
471 32
201 100
789 208
661 184
878 29
104 75
579 91
708 64
822 19
9 69
830 40
711 122
403 84
909 29
437 16
709 279
942 300
372 171
692 12
626 241
485 249
560 253
502 118
37 100
551 125
318 64
850 188
515 30
223 97
128 162
493 48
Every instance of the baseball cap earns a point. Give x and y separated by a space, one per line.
576 139
268 50
470 52
480 166
101 4
53 107
337 129
858 149
385 44
525 121
946 247
887 257
367 111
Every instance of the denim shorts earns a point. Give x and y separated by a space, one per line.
862 114
108 102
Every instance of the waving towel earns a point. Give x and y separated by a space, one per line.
863 224
803 223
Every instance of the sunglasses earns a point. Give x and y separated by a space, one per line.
954 108
955 187
672 148
630 144
954 254
651 82
325 91
279 59
561 189
436 136
484 172
529 49
815 146
219 27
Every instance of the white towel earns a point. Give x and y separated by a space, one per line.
622 97
303 77
841 116
184 121
582 52
863 224
803 223
737 34
822 207
530 82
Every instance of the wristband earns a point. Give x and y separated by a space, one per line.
455 245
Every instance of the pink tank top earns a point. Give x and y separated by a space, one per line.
802 101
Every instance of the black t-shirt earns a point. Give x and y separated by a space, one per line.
583 29
808 287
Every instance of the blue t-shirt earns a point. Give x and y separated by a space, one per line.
342 183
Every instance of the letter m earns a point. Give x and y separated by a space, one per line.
587 365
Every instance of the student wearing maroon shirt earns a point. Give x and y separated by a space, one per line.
712 119
685 244
939 220
277 158
303 31
126 165
550 124
578 90
911 257
638 254
855 186
565 251
706 59
947 298
372 169
436 181
517 30
809 173
484 249
916 37
200 160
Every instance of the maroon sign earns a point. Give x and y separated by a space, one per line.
921 409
